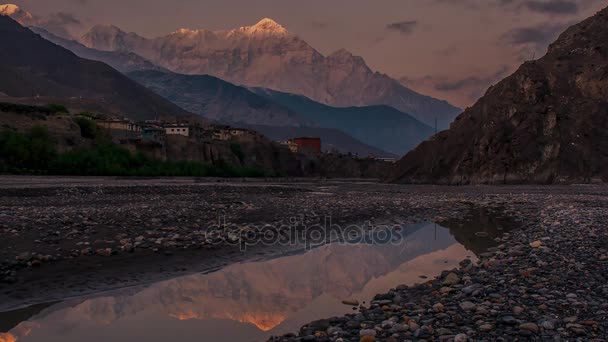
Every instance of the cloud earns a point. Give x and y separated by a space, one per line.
403 27
59 23
540 35
553 6
321 25
461 91
472 81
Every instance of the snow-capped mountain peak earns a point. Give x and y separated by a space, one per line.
266 26
15 12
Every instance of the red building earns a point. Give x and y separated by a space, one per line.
306 144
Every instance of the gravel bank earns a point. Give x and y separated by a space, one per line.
63 237
546 281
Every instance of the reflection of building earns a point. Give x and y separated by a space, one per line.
305 144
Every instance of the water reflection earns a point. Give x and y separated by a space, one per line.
251 301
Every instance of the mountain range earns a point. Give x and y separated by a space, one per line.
546 123
267 55
380 130
119 60
382 126
31 66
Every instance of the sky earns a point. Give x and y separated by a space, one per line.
449 49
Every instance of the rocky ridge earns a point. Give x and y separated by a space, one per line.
546 123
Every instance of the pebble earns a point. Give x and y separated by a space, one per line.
532 327
467 306
451 279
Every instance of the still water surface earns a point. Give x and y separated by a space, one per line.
252 301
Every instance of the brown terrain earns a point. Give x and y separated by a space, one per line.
546 123
257 151
31 66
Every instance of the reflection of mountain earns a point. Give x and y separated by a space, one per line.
479 221
275 296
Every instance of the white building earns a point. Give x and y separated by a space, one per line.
178 130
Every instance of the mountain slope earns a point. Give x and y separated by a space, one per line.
217 100
266 55
32 66
380 126
121 61
227 103
546 123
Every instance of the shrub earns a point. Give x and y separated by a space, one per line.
35 153
88 127
31 152
57 108
237 150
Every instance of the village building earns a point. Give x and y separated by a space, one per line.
305 145
120 128
226 133
156 134
177 129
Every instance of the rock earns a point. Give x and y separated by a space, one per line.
461 338
319 325
367 338
465 263
509 320
536 244
486 327
451 279
413 325
547 325
104 252
467 306
517 310
443 331
333 331
351 302
445 290
438 307
532 327
367 332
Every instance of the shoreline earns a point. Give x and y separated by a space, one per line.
538 284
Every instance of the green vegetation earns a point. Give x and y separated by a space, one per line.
237 150
50 109
30 153
57 108
88 127
35 153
